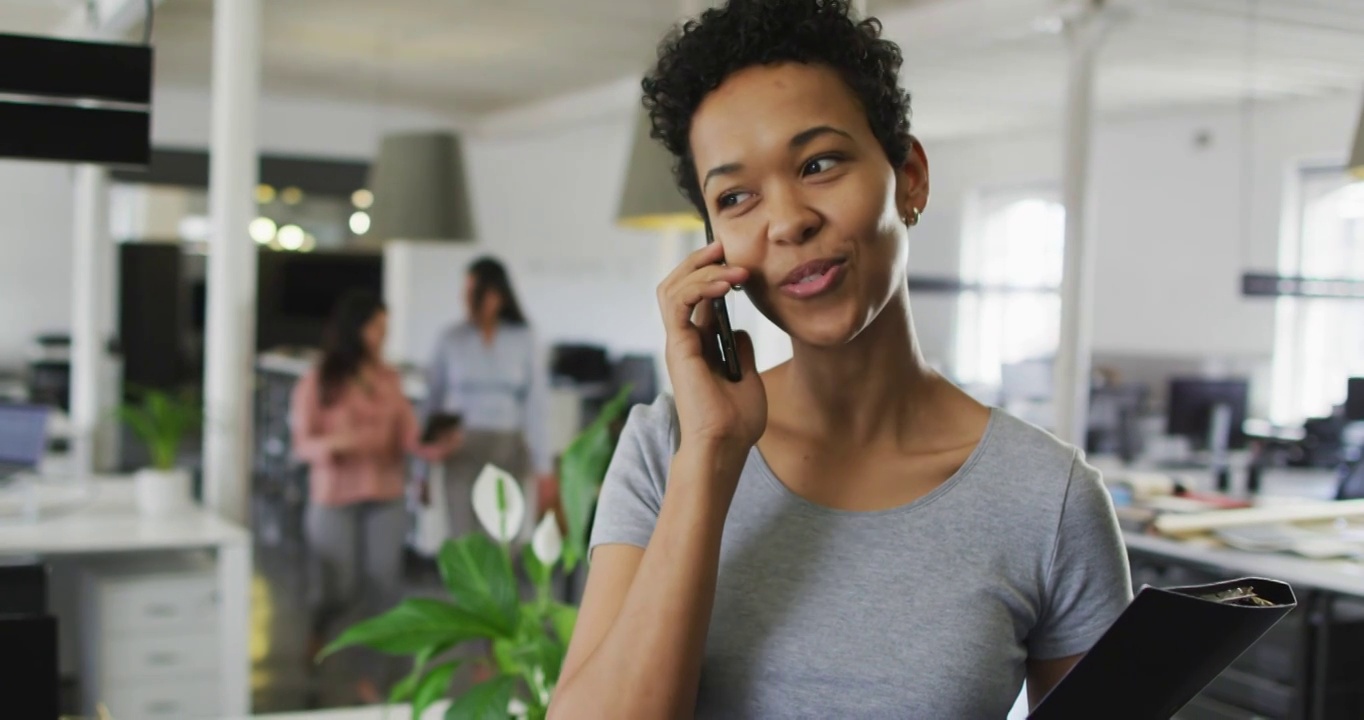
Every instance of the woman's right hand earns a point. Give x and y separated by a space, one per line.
713 412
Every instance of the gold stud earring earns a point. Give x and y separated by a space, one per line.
913 218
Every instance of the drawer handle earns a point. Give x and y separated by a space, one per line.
163 707
162 659
160 611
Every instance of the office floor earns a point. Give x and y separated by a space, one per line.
283 676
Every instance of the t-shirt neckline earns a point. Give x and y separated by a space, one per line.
774 483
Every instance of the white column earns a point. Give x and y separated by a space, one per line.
231 323
1083 35
91 293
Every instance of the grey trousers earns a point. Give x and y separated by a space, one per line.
506 450
358 552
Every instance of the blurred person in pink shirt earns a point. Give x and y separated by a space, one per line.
353 425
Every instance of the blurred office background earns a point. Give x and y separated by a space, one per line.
1225 225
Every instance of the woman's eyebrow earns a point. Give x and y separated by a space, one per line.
799 140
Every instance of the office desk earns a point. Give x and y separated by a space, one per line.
1320 585
106 523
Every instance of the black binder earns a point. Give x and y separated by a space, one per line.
1165 647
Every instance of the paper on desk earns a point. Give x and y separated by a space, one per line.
1318 543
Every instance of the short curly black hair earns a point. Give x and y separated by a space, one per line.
697 56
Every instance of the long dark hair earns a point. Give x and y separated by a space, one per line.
343 343
491 276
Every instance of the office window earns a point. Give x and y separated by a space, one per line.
1319 342
1012 260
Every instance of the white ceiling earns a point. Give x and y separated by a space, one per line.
973 66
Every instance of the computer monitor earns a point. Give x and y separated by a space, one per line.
1354 400
23 435
1191 404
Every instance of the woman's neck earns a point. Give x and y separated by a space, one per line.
487 329
873 389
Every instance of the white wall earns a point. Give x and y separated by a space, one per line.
1175 225
546 202
35 255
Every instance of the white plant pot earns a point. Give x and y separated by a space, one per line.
162 493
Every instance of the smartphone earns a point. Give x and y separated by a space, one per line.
727 350
439 424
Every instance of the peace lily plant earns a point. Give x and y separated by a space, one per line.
524 639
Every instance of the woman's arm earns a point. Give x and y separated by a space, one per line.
1043 675
641 631
536 413
307 440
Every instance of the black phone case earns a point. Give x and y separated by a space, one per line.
726 346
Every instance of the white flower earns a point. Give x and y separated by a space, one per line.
498 503
517 709
548 542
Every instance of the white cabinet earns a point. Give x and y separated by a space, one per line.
150 640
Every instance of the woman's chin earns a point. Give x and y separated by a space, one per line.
825 335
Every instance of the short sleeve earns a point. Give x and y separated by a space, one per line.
632 492
1089 583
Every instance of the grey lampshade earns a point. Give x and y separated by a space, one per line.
650 199
420 189
1357 154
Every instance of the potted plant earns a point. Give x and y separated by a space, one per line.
527 638
161 421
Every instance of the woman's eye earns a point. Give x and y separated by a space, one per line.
731 199
819 165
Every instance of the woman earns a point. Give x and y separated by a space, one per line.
354 426
846 535
488 370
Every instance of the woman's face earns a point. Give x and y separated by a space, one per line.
492 302
374 333
801 194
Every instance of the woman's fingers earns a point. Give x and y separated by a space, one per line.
679 297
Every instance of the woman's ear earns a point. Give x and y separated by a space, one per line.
912 179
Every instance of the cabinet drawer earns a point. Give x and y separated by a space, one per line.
160 656
160 605
179 700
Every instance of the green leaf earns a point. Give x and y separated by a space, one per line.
433 687
582 469
413 626
403 689
485 701
538 572
507 654
161 421
479 575
562 618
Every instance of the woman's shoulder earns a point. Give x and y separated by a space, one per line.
654 426
1029 453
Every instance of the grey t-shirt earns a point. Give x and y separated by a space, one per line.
928 610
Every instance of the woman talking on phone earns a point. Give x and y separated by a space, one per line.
353 425
846 535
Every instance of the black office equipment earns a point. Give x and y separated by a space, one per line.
1212 413
28 644
1193 404
81 101
1167 646
1354 399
